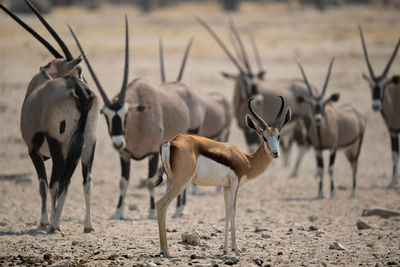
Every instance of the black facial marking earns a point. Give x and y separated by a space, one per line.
376 92
318 109
116 126
62 126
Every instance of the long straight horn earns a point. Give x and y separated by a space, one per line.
185 59
385 72
305 79
371 71
221 44
121 97
256 53
103 94
278 116
37 36
262 123
327 79
161 61
239 40
64 48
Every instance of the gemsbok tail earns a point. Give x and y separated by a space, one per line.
84 99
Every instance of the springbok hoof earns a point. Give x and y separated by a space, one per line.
88 230
43 226
165 253
152 215
238 252
52 229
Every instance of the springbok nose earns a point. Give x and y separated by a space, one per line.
275 154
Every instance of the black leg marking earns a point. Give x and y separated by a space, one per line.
120 201
58 166
87 166
125 173
394 138
320 164
184 197
178 201
331 163
62 126
153 165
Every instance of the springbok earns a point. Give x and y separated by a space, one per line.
334 128
58 121
140 119
386 98
191 158
194 103
249 84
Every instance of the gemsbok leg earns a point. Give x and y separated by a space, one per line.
87 162
123 186
320 172
394 138
38 162
153 166
332 158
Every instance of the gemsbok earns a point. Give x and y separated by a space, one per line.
58 121
333 128
140 119
250 84
386 99
191 158
194 103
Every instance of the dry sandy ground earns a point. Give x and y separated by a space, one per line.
278 207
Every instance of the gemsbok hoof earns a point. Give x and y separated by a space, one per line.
88 230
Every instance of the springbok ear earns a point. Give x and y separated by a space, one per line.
261 74
251 124
288 117
334 97
228 75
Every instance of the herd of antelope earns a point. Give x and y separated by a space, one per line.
187 130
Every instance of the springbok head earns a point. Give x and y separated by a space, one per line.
377 83
318 103
247 80
60 66
270 134
114 111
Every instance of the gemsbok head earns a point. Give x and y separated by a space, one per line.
333 128
386 99
213 163
58 121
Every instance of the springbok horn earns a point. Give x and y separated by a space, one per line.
37 36
161 61
262 123
305 79
103 94
67 53
256 53
121 97
184 60
278 116
239 40
385 72
327 79
221 44
371 71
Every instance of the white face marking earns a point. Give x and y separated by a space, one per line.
211 173
118 141
272 142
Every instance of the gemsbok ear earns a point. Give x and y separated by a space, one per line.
138 107
288 117
228 75
251 124
334 97
300 99
261 74
72 64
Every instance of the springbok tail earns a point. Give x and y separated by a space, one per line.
165 167
84 100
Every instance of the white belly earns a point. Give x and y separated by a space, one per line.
211 173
